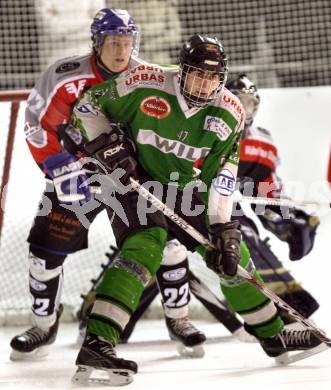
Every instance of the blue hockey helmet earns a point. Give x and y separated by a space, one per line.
248 94
111 21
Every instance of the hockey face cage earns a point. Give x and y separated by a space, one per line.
204 58
114 22
194 87
247 93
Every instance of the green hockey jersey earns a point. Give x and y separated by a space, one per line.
169 135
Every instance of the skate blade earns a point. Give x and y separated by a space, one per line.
38 354
197 351
286 358
116 377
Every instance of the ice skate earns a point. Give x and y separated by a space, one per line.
33 344
99 354
189 338
285 346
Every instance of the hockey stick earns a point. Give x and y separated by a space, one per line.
189 229
279 202
213 304
259 200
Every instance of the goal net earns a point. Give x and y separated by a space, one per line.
279 43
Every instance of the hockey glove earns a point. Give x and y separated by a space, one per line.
225 258
302 234
298 230
113 151
68 176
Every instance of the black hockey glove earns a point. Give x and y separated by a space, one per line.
225 258
298 230
114 150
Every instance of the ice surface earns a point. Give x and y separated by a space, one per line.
228 364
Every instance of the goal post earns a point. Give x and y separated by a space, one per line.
13 97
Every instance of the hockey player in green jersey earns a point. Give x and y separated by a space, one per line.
173 118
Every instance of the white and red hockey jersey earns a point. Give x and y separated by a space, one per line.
259 161
52 99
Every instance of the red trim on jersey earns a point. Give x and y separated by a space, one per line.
98 76
259 152
198 163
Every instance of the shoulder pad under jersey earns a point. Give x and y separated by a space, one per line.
69 68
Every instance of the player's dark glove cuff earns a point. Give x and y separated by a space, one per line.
226 238
302 234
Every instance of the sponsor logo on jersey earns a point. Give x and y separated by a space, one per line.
87 108
174 274
232 104
35 135
30 130
218 126
224 183
143 68
165 145
144 77
156 107
74 89
67 67
260 152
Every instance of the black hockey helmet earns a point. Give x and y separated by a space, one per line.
203 54
248 94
